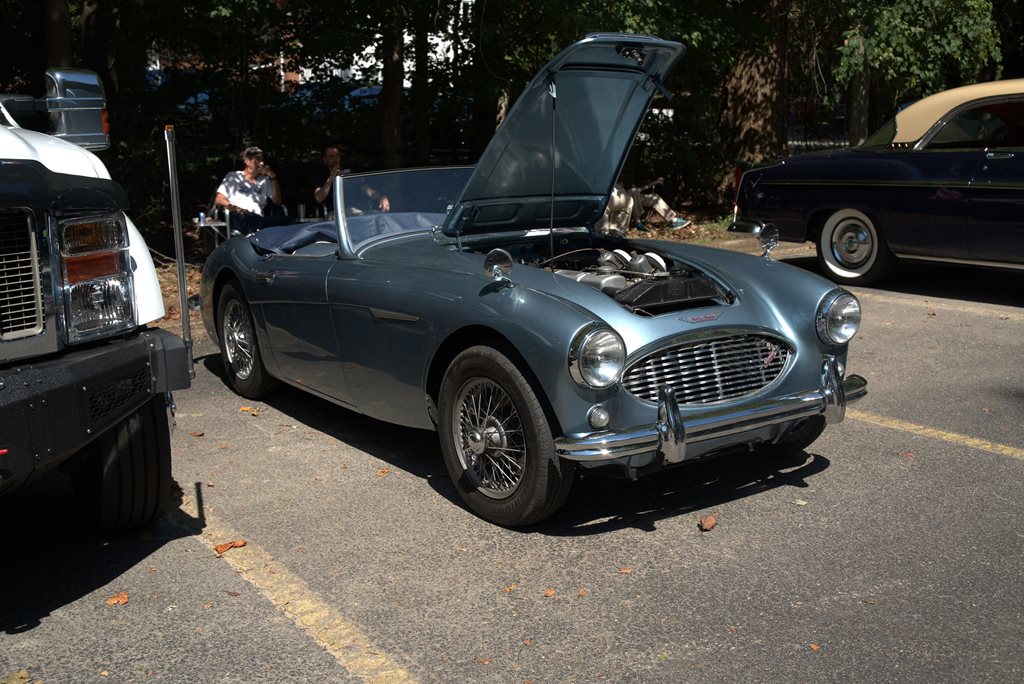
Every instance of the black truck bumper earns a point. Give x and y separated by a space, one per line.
51 409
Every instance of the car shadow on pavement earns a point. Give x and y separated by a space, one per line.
55 555
598 505
948 281
595 505
413 450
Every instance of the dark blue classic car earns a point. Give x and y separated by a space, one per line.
944 180
484 306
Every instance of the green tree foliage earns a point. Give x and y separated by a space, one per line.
913 48
756 73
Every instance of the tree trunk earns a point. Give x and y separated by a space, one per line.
98 45
58 33
421 94
486 111
393 74
754 113
858 101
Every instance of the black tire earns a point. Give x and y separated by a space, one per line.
488 410
798 439
852 250
125 480
239 347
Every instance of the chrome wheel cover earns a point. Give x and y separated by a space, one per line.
852 243
488 434
239 341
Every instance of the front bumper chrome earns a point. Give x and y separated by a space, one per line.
671 434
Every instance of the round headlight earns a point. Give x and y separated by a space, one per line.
596 358
838 318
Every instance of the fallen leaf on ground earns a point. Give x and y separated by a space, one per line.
510 588
245 409
197 434
625 570
484 661
906 454
815 647
20 677
528 641
254 412
232 593
799 502
707 522
221 548
382 472
118 599
222 445
549 592
582 592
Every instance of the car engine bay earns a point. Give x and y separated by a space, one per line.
647 283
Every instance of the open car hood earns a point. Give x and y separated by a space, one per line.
565 140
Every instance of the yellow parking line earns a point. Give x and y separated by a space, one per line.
349 646
984 445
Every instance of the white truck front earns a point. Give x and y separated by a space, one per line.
85 382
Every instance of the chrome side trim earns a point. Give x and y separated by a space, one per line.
385 315
965 262
671 434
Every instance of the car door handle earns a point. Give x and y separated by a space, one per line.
999 155
266 278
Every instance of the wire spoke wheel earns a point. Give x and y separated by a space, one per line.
496 440
238 339
239 346
492 443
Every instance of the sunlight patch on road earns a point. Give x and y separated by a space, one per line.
349 646
973 442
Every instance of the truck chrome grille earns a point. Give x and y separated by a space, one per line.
704 371
21 304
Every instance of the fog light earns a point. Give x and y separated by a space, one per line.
598 417
99 305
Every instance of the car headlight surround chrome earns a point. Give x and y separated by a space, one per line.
597 356
99 291
838 317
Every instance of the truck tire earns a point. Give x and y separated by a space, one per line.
126 481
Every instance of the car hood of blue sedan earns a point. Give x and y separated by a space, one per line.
564 142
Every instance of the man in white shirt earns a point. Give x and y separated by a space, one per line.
245 193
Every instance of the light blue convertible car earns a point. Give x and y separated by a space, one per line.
484 306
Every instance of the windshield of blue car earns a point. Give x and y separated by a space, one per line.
425 190
403 200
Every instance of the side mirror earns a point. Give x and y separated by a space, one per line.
498 265
77 107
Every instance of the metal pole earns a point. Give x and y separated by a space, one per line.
179 247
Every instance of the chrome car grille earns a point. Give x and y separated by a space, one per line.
21 304
705 370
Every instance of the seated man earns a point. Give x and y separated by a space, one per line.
368 198
642 199
245 193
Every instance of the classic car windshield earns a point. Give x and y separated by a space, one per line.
417 199
426 190
881 138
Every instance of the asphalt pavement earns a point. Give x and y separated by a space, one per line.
891 550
